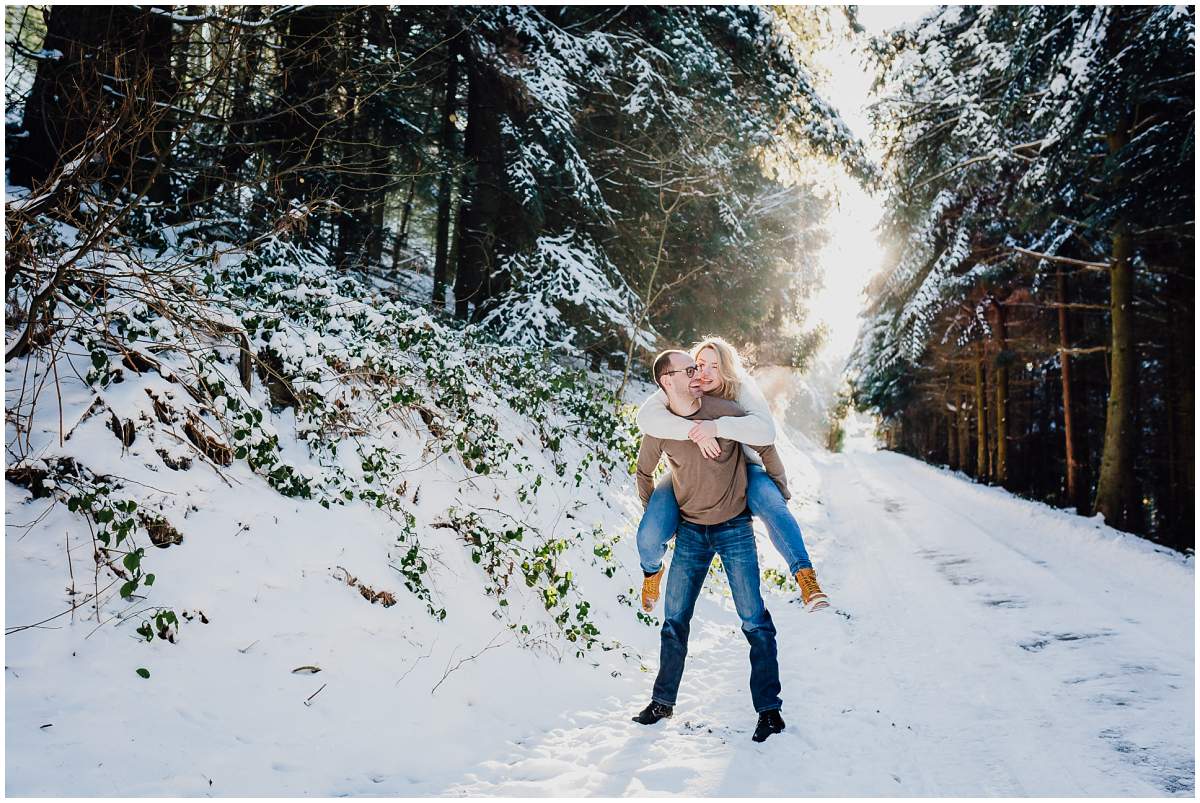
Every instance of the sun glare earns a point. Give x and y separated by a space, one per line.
852 253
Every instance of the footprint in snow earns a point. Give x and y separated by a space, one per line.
1004 602
1038 644
1174 774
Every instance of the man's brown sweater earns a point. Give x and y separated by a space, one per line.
709 491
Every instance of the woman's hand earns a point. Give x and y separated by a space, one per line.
704 435
703 430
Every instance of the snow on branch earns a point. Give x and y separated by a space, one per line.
565 284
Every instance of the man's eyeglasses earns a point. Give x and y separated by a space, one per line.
690 371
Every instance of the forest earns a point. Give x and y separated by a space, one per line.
323 246
326 329
582 183
571 178
1034 326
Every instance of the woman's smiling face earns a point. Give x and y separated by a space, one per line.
709 363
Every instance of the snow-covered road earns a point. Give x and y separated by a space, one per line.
978 644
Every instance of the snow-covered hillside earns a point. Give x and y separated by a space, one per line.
978 645
257 448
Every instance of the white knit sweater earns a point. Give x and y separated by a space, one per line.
756 428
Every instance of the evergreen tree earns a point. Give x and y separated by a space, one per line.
581 177
1026 142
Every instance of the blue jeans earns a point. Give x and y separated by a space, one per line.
765 500
695 545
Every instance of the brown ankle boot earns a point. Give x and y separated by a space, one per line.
650 591
811 595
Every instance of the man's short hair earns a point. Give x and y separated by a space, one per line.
662 363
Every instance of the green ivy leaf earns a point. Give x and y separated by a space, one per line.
132 561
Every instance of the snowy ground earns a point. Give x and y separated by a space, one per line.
978 644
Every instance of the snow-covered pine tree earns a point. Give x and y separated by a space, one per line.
677 108
540 193
1116 162
528 264
1023 142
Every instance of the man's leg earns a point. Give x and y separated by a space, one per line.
657 526
766 501
735 545
685 578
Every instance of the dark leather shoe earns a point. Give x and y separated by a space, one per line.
653 713
768 722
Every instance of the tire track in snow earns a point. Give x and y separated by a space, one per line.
949 505
1073 627
943 666
919 687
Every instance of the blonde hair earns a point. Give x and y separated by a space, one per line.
729 365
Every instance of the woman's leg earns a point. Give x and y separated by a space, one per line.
766 501
658 526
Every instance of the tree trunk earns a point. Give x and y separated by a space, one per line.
358 176
115 74
306 59
952 439
407 208
1181 404
981 450
964 435
448 151
481 206
379 174
348 193
456 204
831 440
1003 358
377 201
1064 341
1089 407
1114 492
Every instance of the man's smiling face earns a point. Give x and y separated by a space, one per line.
676 381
